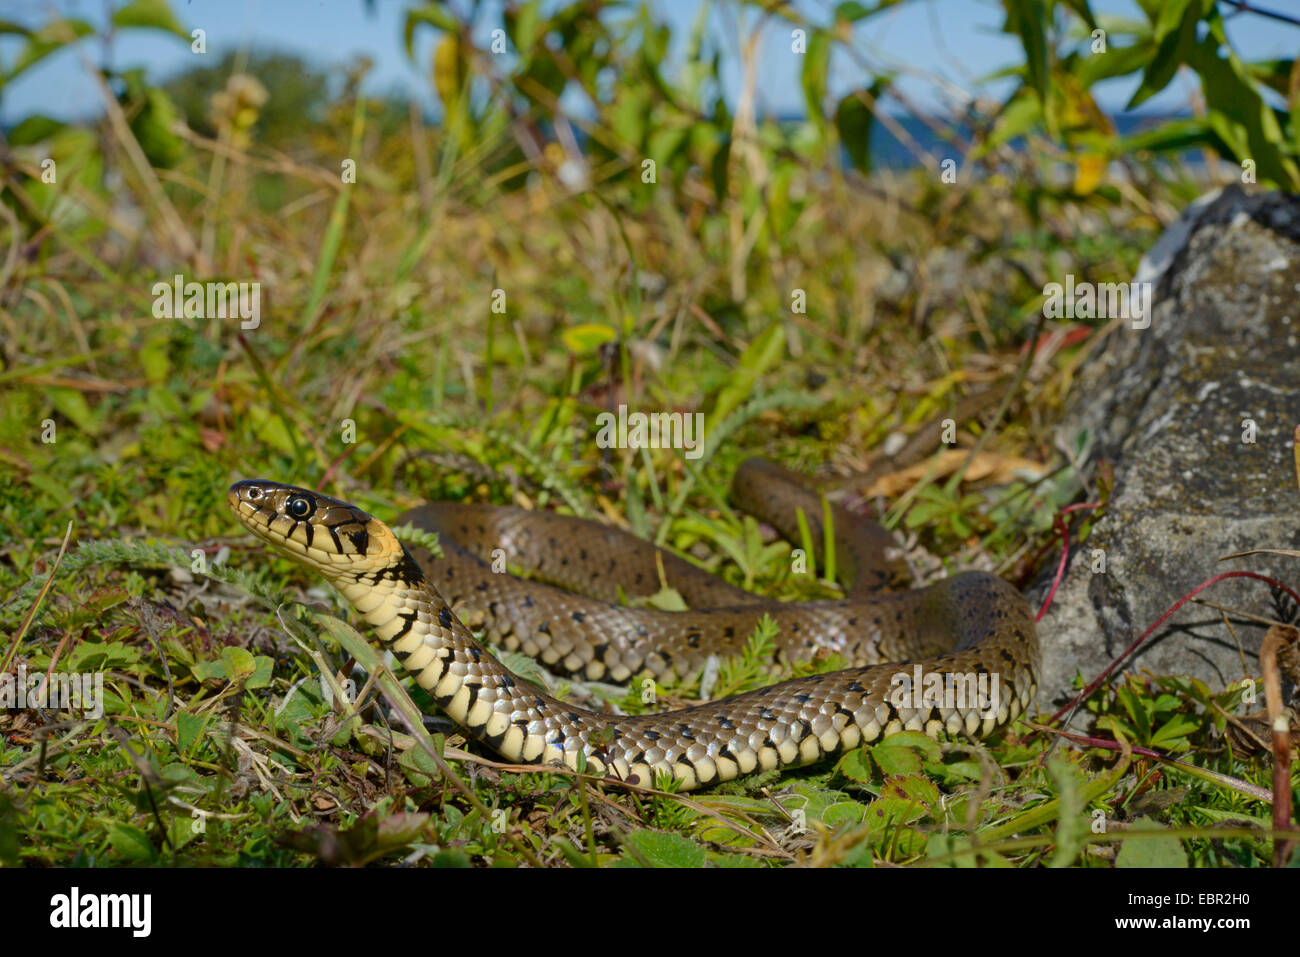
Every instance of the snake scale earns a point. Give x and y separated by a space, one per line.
967 630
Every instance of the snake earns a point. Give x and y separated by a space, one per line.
959 657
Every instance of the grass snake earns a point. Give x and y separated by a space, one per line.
919 654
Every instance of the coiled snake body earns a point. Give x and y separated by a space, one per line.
969 631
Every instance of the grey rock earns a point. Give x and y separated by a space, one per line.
1174 408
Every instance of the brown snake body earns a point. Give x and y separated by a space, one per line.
969 631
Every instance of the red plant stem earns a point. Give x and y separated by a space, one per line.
1097 681
1065 552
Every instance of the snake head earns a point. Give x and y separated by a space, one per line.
331 536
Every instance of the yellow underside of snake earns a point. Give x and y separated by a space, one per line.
958 657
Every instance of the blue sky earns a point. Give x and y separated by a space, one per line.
956 41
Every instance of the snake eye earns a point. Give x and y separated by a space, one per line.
299 506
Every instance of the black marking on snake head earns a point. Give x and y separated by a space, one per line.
445 617
767 714
544 628
579 616
729 632
803 697
476 654
726 723
685 731
652 735
693 639
338 545
528 601
506 680
857 686
360 540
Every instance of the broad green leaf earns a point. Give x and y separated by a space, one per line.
188 728
855 765
660 849
131 842
239 663
1140 848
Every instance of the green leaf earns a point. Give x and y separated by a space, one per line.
586 338
844 813
263 667
1139 849
1238 113
49 38
855 765
1016 119
1175 36
188 728
152 14
527 29
660 849
434 15
851 11
238 663
73 405
759 356
853 121
1172 735
130 842
1029 20
35 128
816 66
